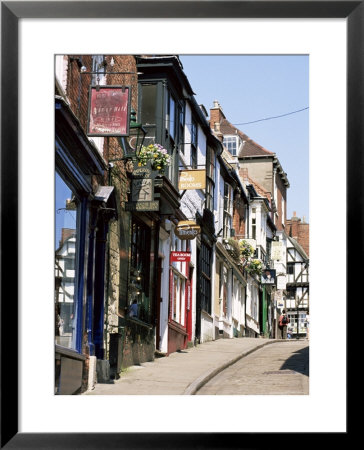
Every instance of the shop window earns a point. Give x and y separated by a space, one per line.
66 241
179 271
178 298
139 299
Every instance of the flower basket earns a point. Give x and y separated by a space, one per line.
233 249
155 153
246 250
254 267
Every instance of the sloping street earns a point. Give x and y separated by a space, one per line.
259 366
277 369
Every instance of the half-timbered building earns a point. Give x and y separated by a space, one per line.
297 288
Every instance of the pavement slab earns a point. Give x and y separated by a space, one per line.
181 373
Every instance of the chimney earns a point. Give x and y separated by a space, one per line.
66 233
216 114
294 226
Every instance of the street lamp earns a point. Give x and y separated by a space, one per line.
133 143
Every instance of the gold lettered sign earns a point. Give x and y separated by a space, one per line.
192 179
187 230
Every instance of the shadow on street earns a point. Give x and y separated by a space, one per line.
299 362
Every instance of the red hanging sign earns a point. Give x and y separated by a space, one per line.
180 256
109 111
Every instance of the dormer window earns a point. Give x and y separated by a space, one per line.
232 143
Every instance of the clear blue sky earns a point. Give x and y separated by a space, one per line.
254 87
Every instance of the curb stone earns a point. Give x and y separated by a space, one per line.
197 384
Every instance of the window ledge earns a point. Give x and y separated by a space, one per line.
177 327
205 313
139 322
69 352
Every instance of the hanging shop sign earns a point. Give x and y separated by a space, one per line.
108 111
192 179
251 242
187 230
281 282
268 276
142 197
277 251
180 256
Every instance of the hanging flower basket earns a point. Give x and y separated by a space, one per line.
233 249
246 250
254 267
155 153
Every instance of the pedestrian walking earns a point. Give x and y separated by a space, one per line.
133 309
283 322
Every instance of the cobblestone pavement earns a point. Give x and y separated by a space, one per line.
282 368
181 372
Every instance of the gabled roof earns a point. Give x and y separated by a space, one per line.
260 190
298 247
250 147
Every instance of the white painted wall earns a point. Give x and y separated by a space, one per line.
61 67
164 249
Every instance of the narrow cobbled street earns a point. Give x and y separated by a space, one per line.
282 368
257 366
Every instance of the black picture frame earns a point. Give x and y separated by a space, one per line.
11 13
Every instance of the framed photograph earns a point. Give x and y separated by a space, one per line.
80 422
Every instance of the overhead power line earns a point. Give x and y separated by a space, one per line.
272 117
167 120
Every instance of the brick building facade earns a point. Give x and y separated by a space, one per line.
299 229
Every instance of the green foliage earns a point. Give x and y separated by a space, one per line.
234 249
254 267
247 251
156 154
